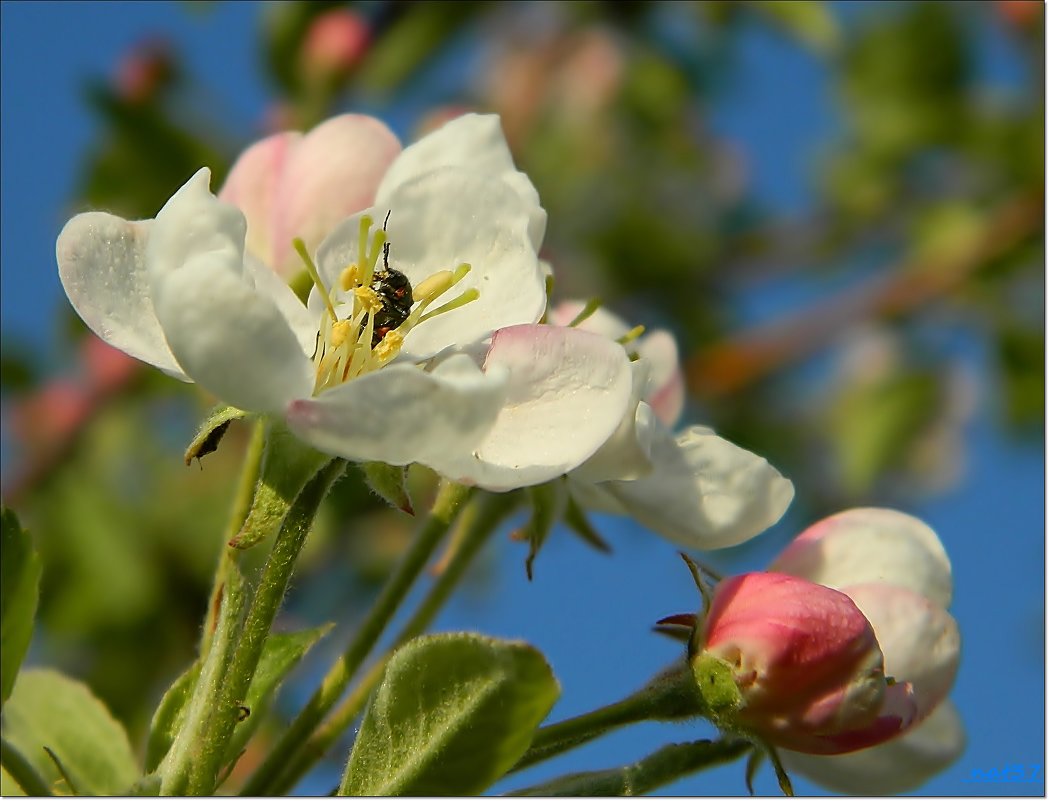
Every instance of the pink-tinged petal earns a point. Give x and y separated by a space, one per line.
861 546
473 142
895 716
920 640
290 185
625 455
438 221
806 662
231 339
567 393
101 262
665 391
898 766
704 492
401 414
253 186
333 172
792 636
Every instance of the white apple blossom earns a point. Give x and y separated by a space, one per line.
896 571
189 293
694 488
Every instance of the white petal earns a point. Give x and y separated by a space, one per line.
860 546
445 218
898 766
626 454
230 339
195 223
101 261
302 321
919 639
705 492
595 497
567 393
474 142
665 391
401 414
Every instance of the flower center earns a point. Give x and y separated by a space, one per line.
372 308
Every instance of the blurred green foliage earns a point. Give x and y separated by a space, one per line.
606 106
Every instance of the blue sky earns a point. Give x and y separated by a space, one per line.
590 614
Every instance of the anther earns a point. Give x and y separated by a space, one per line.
340 332
348 277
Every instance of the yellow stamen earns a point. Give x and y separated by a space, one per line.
340 332
348 277
433 286
591 306
369 299
631 335
389 347
311 268
468 296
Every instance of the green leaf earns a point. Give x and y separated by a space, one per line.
280 655
168 717
19 591
50 711
454 712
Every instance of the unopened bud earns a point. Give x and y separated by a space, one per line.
805 667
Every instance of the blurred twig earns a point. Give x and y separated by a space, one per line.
752 355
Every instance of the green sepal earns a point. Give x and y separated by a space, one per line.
19 593
578 523
288 464
390 483
548 504
211 432
716 683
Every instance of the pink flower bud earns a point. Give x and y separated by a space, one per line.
144 70
806 663
334 43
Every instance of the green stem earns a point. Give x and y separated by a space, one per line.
249 477
267 600
476 524
449 499
669 763
287 464
22 771
228 610
670 696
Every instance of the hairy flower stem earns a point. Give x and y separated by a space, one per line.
672 695
231 691
238 513
446 506
477 522
669 763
